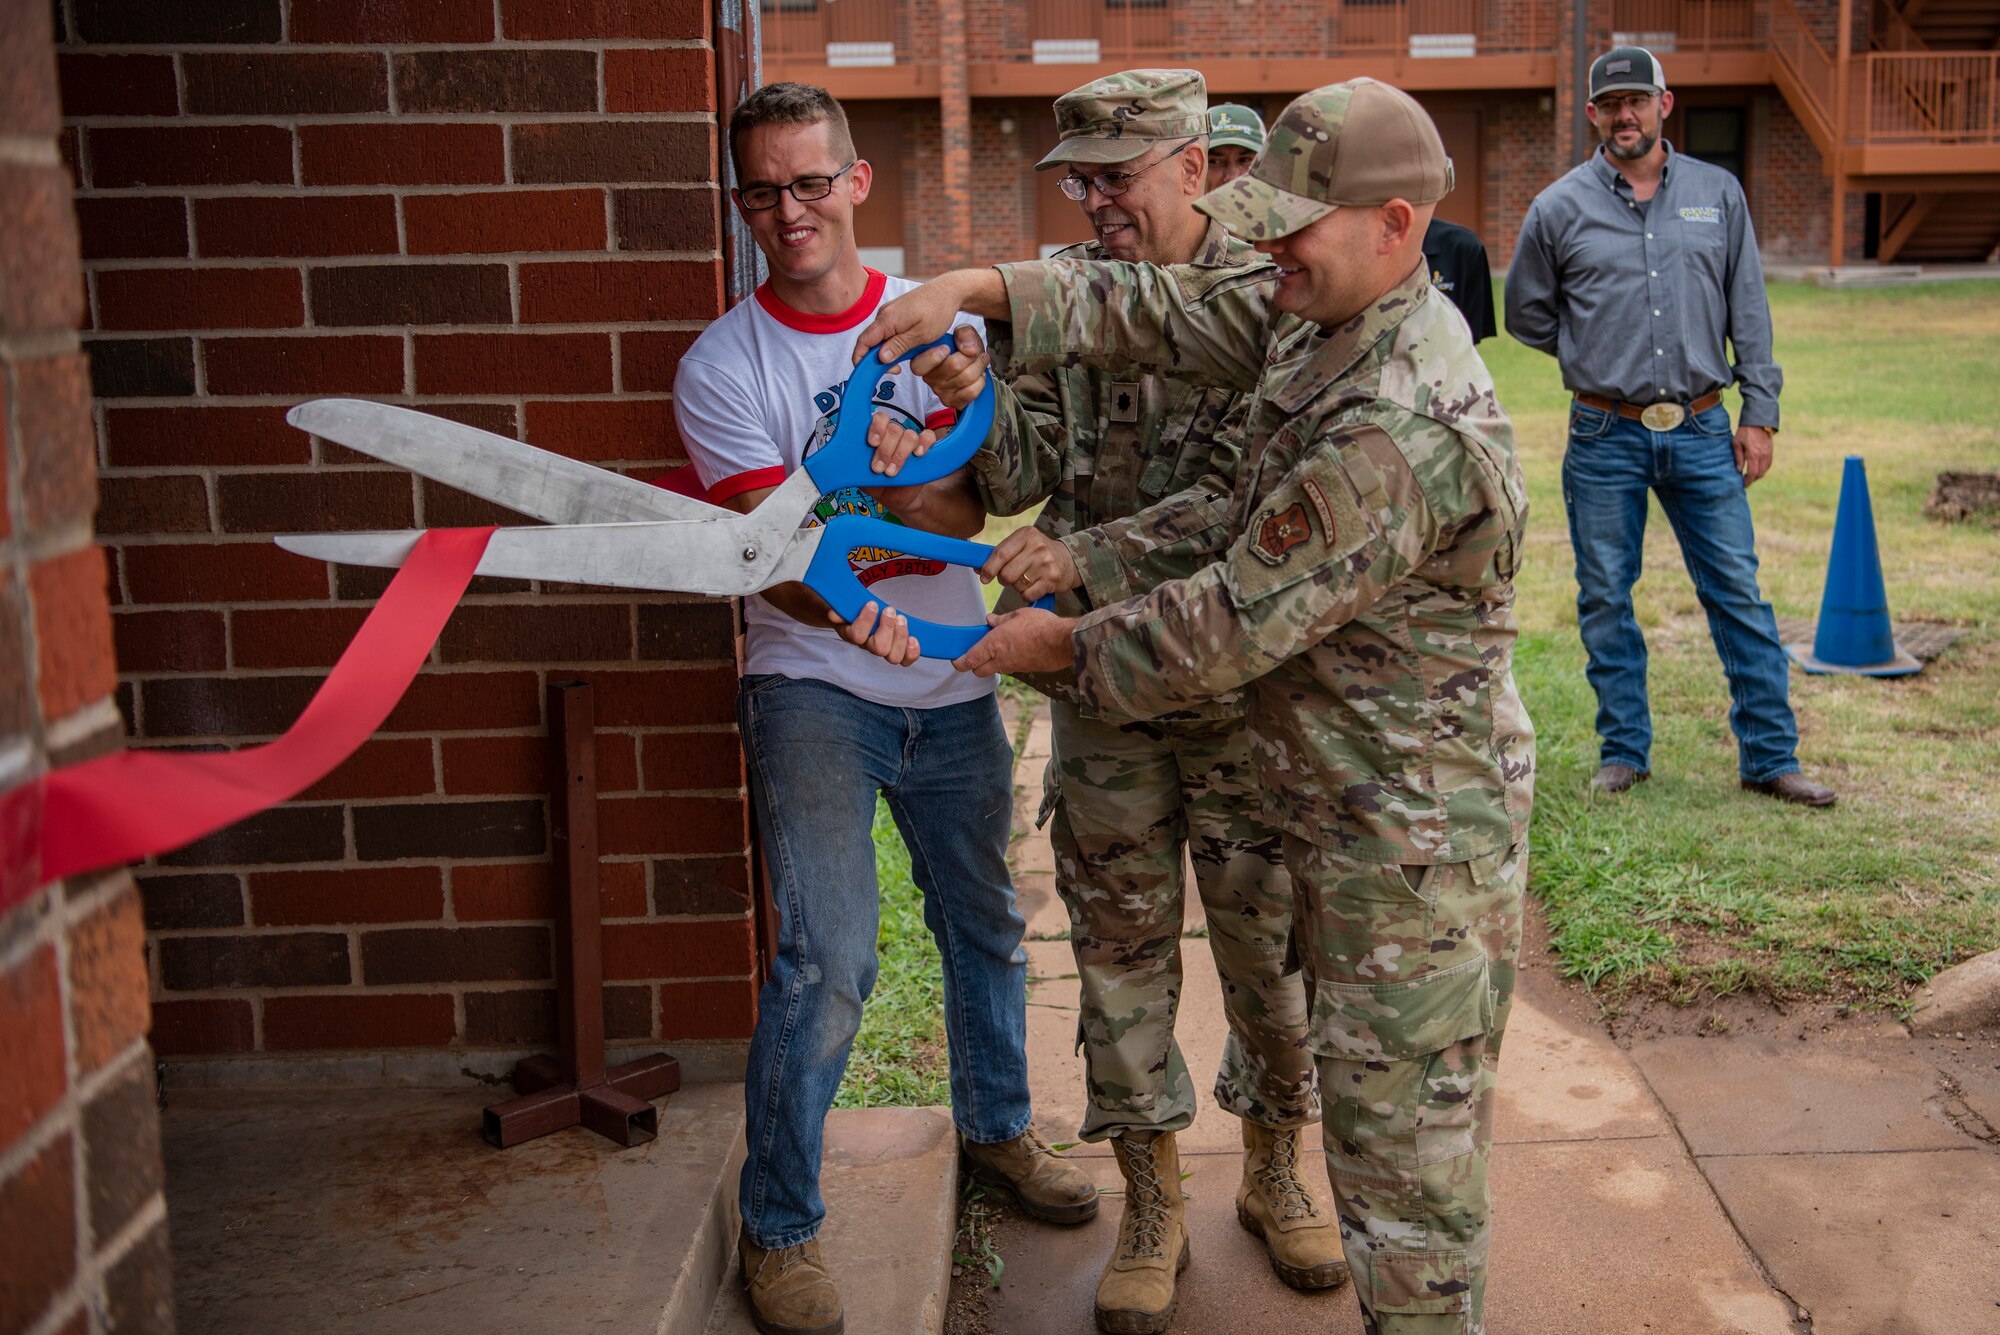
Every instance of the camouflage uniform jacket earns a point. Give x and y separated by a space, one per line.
1367 591
1101 448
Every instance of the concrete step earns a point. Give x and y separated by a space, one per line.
357 1211
891 1186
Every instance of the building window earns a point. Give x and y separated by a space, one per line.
1715 134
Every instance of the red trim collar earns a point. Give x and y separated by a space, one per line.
727 487
807 323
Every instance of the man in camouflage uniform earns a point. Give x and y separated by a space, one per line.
1131 801
1366 598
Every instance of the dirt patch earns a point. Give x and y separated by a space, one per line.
1966 498
1634 1014
970 1307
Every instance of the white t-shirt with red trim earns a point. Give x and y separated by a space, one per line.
756 394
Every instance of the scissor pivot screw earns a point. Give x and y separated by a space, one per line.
750 552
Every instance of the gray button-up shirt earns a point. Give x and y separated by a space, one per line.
1635 300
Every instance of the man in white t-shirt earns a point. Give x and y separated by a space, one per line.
826 727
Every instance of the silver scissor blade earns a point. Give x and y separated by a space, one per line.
550 487
689 556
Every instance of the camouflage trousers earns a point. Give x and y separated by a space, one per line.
1412 974
1125 798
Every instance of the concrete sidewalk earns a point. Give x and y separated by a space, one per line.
1661 1196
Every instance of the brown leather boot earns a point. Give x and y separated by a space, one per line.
1794 787
1613 779
1275 1203
1048 1186
790 1292
1135 1295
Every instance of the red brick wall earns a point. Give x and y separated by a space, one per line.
1520 141
82 1220
1791 198
502 213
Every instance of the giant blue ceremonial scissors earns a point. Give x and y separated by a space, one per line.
605 528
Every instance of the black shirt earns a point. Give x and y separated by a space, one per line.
1458 268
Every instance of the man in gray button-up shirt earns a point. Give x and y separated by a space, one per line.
1638 271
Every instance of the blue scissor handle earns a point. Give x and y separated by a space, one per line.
832 578
843 461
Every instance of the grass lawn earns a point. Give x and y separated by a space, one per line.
1689 885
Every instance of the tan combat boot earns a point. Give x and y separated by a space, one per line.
1048 1186
1135 1295
1275 1204
790 1292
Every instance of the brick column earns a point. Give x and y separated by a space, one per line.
82 1219
501 213
954 196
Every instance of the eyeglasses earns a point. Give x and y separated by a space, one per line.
1111 184
1611 104
757 198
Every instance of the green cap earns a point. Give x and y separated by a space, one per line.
1118 117
1234 123
1361 142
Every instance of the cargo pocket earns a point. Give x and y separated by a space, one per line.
1403 1021
1420 1283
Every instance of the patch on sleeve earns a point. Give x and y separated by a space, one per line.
1279 531
1308 521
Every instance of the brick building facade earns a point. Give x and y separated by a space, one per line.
1498 76
507 215
82 1216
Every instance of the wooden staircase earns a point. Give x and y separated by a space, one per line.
1921 119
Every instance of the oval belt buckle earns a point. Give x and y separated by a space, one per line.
1663 416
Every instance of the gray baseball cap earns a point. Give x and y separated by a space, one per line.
1626 69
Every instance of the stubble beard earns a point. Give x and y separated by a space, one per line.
1639 149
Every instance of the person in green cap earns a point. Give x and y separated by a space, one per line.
1235 138
1131 804
1365 599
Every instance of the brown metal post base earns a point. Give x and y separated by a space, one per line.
616 1109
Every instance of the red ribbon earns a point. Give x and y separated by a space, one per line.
120 808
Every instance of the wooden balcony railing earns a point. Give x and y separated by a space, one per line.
1941 97
1809 64
850 34
860 34
1895 99
1136 31
1668 27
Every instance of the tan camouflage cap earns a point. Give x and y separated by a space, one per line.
1118 117
1361 142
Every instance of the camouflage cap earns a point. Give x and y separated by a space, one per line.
1118 117
1234 123
1361 142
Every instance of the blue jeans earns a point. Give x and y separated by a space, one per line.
1611 463
818 755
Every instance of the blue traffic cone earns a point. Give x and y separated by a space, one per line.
1854 634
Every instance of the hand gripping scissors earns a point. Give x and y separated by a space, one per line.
604 528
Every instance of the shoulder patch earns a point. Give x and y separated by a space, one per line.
1279 531
1308 523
